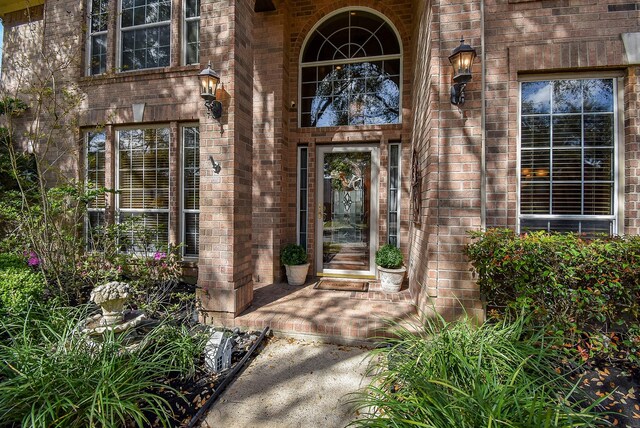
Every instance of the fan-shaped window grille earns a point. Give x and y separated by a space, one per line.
350 72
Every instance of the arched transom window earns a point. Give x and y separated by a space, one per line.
350 72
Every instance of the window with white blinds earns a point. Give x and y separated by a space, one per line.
191 190
568 155
143 187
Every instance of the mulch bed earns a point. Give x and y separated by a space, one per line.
617 384
196 391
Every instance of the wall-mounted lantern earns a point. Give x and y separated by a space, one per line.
461 60
209 81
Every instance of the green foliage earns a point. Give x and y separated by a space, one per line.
292 254
52 377
20 285
389 257
444 375
12 106
581 287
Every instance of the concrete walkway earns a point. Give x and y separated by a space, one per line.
292 383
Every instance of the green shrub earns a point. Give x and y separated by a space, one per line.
52 377
9 261
582 287
292 254
389 257
20 285
444 375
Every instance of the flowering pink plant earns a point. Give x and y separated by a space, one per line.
33 259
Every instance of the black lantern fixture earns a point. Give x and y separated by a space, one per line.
209 81
462 60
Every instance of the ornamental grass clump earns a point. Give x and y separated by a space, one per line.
457 375
50 376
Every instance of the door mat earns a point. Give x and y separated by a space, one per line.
342 285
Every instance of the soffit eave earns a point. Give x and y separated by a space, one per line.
16 5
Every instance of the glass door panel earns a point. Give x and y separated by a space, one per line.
347 209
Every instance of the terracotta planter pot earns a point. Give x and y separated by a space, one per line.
296 274
391 279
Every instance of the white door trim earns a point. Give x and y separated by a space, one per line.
374 207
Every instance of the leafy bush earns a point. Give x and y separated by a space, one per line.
389 257
20 285
582 287
292 254
444 375
52 377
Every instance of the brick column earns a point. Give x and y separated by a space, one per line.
225 264
272 154
447 146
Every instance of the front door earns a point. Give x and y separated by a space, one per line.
347 225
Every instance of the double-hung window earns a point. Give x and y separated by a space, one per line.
145 27
143 188
97 40
568 150
191 35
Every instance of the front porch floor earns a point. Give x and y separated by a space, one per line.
335 316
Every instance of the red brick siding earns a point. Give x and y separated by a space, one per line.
304 15
447 140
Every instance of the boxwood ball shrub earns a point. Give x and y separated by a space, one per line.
582 287
389 257
292 255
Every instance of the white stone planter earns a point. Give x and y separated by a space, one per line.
296 274
391 279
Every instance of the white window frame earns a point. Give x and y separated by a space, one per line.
617 217
184 210
118 209
398 56
300 203
86 181
90 36
397 144
186 20
119 41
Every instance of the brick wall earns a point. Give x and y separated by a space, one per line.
303 16
632 150
248 210
226 266
271 102
548 36
38 58
447 143
522 37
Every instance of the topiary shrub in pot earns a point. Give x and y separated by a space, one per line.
294 259
390 266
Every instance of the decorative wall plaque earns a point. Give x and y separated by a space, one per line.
416 188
